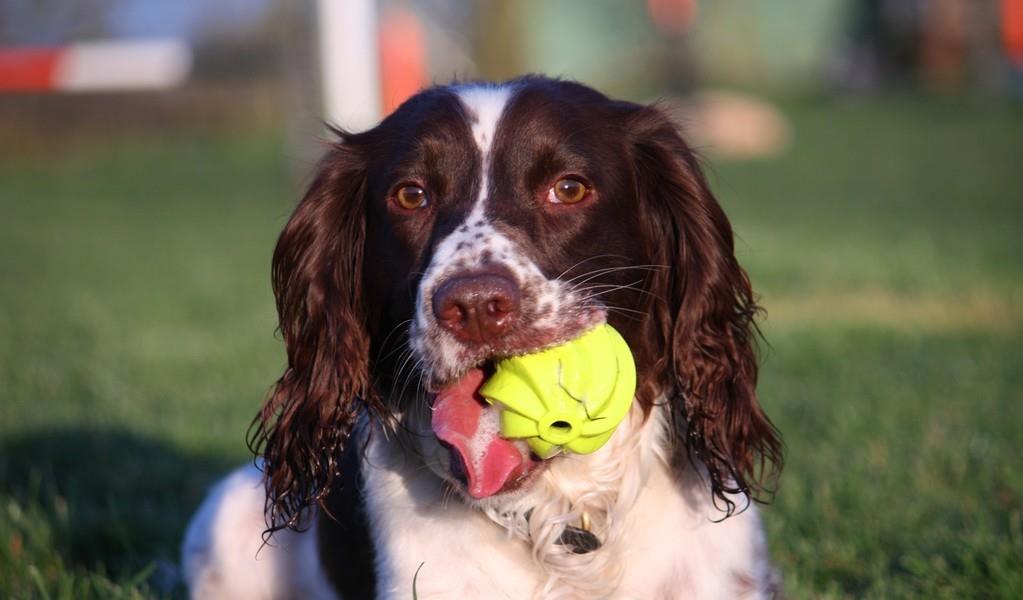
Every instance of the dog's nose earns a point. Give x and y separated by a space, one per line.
477 308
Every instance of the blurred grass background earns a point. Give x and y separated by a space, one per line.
137 342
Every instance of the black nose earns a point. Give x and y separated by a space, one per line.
477 308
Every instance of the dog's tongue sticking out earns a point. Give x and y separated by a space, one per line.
462 419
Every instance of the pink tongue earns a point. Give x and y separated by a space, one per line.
462 419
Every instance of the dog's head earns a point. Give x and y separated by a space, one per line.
480 221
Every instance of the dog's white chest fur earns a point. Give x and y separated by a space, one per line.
663 543
666 544
416 526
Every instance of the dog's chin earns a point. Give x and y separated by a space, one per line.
470 451
511 492
473 455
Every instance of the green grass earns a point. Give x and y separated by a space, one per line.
136 342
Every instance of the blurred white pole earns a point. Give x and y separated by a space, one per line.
349 64
97 66
124 65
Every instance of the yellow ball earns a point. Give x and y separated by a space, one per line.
570 397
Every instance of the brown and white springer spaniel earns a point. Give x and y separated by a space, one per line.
480 221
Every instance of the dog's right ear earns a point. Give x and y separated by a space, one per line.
318 283
703 320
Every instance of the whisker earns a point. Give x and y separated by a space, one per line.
586 260
404 359
418 368
383 345
413 371
636 314
589 275
613 308
606 286
613 288
401 373
399 347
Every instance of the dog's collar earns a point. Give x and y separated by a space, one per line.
579 540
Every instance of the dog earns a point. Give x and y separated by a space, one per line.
476 222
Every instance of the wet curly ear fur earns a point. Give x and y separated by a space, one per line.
702 329
318 283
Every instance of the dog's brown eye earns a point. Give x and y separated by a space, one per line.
567 190
410 197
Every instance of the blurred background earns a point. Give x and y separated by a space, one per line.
868 152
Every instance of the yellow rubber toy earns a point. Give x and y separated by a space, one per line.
570 397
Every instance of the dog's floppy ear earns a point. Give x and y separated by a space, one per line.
702 333
318 283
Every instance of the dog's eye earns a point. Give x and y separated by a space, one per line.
567 190
410 197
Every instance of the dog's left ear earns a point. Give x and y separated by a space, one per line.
702 336
317 275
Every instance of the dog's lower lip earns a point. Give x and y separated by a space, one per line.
523 480
480 458
435 387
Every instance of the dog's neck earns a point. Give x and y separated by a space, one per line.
593 492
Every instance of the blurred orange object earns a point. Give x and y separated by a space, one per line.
1012 30
672 17
402 57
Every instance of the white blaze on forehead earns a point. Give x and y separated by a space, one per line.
485 104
